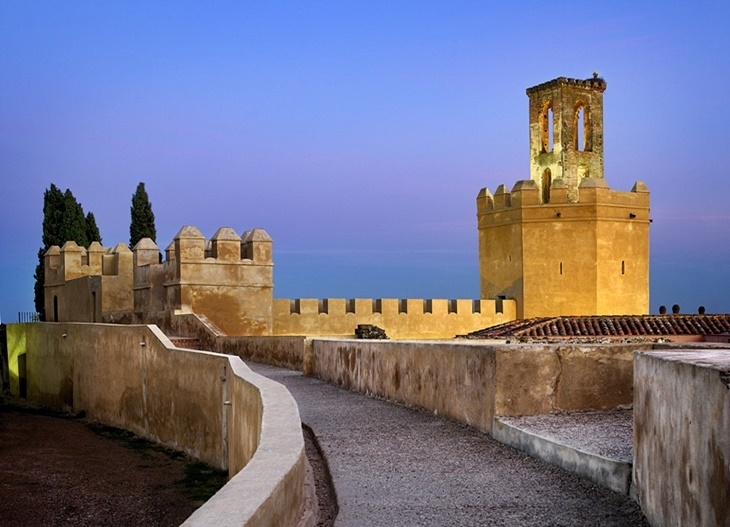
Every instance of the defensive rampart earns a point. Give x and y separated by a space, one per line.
681 440
228 279
401 318
208 405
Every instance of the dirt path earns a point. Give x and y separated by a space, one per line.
56 471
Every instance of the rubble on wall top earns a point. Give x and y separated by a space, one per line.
594 83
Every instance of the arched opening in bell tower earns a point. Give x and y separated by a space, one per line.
581 137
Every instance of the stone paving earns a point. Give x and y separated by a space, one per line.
393 466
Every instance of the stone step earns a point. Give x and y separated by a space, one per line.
595 445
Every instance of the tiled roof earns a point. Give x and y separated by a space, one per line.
608 326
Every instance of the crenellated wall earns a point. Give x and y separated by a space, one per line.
82 285
588 257
400 318
229 280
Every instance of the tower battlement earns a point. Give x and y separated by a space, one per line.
592 192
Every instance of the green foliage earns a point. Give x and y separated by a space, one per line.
143 219
63 220
92 231
73 226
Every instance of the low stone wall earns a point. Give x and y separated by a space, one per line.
472 382
208 405
681 437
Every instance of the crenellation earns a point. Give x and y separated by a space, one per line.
146 252
94 257
524 193
257 246
189 245
400 318
502 197
226 245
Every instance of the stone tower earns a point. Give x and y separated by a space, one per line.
566 133
563 242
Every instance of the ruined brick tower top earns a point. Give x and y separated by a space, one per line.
566 133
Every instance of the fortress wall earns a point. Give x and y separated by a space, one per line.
133 378
400 318
472 382
681 441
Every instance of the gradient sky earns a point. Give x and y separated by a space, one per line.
357 133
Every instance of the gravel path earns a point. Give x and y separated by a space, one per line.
393 466
606 433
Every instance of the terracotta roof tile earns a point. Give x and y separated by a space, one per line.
609 326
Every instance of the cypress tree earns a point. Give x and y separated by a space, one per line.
73 225
92 231
143 219
63 220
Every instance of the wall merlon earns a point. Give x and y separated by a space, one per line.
146 252
226 245
485 201
189 244
502 197
257 246
525 192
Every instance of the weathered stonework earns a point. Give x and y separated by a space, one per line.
564 243
566 133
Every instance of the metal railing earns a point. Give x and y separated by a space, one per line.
28 316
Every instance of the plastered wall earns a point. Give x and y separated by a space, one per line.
681 437
209 405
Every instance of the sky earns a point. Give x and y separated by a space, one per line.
356 133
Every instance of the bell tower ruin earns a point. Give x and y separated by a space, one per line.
566 133
562 242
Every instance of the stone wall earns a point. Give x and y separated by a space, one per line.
473 382
681 437
208 405
400 318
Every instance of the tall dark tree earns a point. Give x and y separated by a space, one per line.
63 220
143 219
73 225
92 231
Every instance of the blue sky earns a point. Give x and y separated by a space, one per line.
357 133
